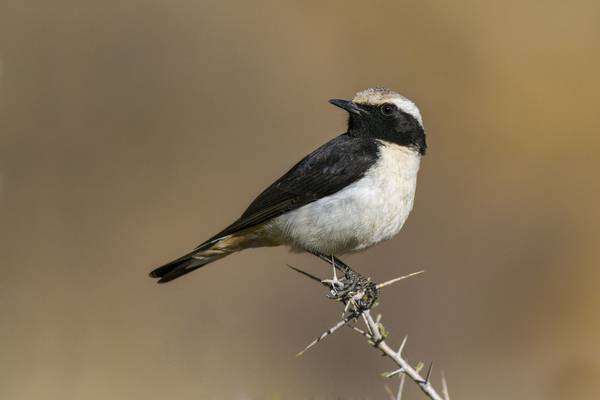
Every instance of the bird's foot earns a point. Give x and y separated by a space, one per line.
334 283
357 292
354 290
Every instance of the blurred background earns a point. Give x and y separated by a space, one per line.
133 130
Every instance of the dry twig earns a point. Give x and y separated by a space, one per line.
355 310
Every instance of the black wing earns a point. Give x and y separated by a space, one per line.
328 169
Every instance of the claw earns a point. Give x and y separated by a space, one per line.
335 282
354 290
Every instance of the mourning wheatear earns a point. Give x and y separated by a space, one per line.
351 193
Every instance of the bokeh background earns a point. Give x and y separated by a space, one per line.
133 130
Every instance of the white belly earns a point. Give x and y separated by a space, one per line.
367 212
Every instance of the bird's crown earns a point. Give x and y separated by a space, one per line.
378 96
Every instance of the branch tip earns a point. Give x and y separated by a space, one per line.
401 387
401 349
308 275
445 392
324 335
393 373
392 281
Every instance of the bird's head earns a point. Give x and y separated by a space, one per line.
384 114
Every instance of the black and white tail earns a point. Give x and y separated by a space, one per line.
201 256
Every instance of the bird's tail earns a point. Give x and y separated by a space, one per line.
201 256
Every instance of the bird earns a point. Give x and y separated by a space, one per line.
348 195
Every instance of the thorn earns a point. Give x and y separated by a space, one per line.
378 320
391 281
389 392
402 345
366 321
445 387
324 335
346 308
429 372
401 387
393 373
351 304
357 329
314 278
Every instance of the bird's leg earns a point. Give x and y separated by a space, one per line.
336 262
352 287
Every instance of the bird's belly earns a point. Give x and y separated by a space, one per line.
369 211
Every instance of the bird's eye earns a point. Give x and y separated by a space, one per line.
387 109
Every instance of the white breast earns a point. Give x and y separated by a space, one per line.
369 211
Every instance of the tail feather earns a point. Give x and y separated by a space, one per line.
209 251
182 266
201 256
165 269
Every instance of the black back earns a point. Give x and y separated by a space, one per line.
330 168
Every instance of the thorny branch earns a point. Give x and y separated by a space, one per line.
358 296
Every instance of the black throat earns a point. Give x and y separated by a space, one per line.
401 128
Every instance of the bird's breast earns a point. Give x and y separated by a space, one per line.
368 211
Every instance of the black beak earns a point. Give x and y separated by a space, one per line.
347 105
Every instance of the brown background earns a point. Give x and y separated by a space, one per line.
133 130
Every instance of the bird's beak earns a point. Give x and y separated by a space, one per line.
347 105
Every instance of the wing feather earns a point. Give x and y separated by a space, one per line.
328 169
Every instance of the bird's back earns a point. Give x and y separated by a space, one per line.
362 214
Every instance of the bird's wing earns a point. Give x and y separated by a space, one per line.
328 169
